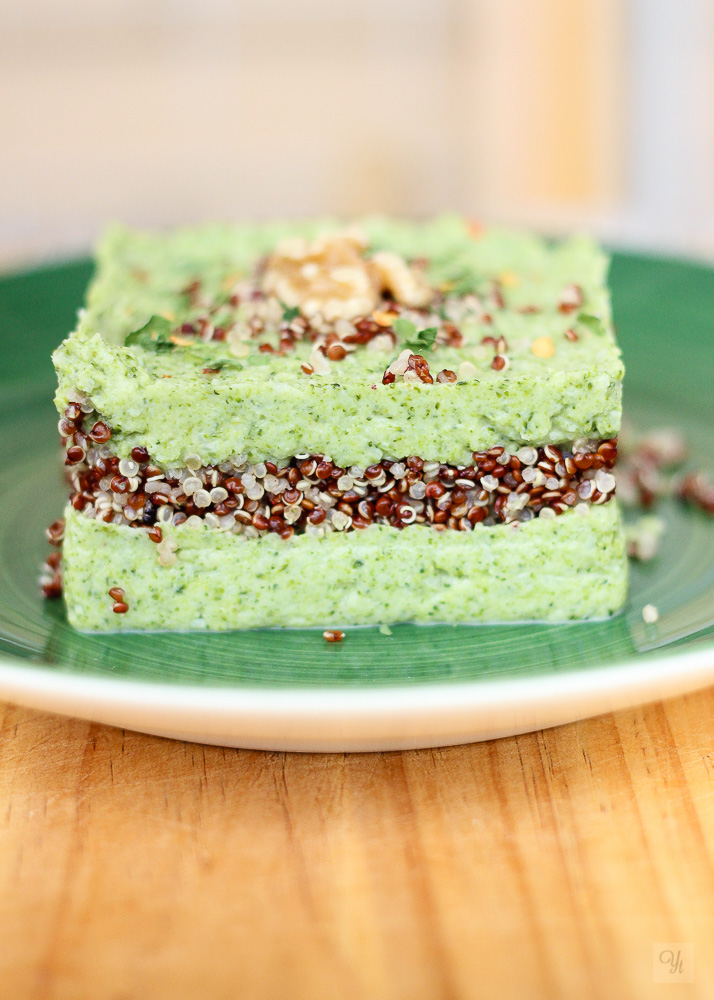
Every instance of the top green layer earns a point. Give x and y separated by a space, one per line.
262 405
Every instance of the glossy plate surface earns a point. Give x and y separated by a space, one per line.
421 686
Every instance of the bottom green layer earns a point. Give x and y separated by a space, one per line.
569 567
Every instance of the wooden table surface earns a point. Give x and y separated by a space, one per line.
541 866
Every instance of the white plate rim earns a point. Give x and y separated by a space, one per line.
381 717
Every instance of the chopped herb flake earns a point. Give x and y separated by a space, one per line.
593 323
289 313
404 328
424 342
152 336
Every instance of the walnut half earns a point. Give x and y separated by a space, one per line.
330 276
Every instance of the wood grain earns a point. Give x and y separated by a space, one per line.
541 866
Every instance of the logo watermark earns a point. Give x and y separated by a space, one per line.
673 962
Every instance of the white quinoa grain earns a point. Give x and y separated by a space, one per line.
192 485
340 521
272 484
604 481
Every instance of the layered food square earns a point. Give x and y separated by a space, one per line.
307 424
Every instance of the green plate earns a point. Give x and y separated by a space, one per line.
665 316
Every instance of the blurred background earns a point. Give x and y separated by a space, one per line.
592 114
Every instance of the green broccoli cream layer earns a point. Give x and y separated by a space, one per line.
203 400
570 567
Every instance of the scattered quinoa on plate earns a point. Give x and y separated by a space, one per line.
313 425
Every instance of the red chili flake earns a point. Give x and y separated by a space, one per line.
497 296
455 336
420 365
192 289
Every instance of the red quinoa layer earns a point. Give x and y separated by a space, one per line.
309 493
